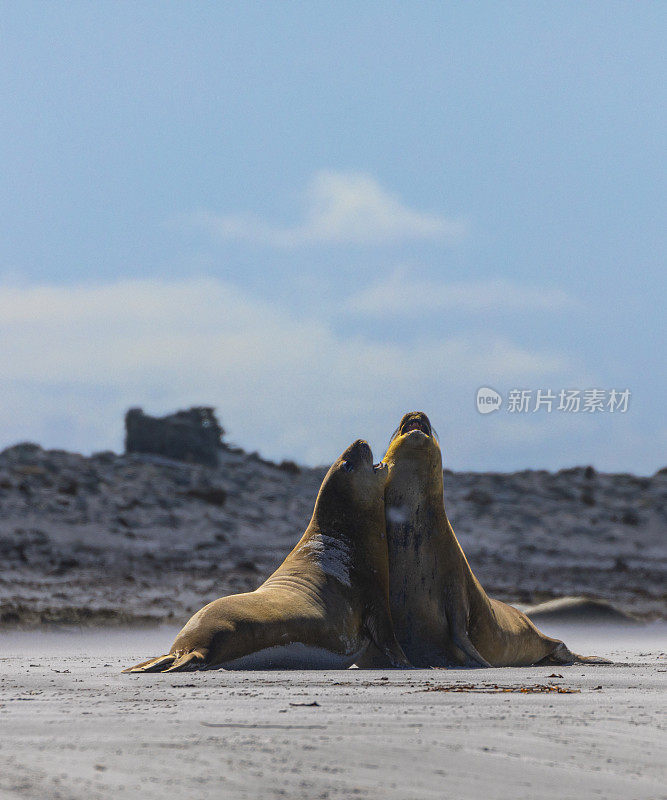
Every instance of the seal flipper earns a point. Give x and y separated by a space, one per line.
153 664
372 658
578 659
173 662
458 628
188 661
384 641
462 640
394 653
563 655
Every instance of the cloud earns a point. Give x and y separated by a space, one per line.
342 208
73 359
402 295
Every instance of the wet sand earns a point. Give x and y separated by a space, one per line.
72 726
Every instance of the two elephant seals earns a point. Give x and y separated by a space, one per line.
323 606
442 615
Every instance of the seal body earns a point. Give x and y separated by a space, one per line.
325 603
579 610
442 615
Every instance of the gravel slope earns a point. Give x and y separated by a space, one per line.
115 539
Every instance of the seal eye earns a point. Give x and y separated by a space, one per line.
347 466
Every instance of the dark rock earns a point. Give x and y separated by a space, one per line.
587 497
105 456
255 456
205 545
30 470
23 451
193 436
26 546
571 472
246 564
479 497
630 517
563 493
214 495
66 564
127 504
68 486
589 473
290 467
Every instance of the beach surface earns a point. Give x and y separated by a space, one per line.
72 726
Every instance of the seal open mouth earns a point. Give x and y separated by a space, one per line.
415 422
415 425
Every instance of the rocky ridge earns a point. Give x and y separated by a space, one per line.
119 539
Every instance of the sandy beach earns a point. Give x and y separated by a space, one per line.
73 727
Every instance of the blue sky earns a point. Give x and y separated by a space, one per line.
318 216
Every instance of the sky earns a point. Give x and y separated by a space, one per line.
318 216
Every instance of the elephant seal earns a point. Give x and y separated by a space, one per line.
579 610
326 602
442 615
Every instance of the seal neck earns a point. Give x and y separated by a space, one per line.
417 476
342 516
347 521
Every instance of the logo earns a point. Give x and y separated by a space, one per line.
559 401
488 400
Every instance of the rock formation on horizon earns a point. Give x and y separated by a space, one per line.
194 436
